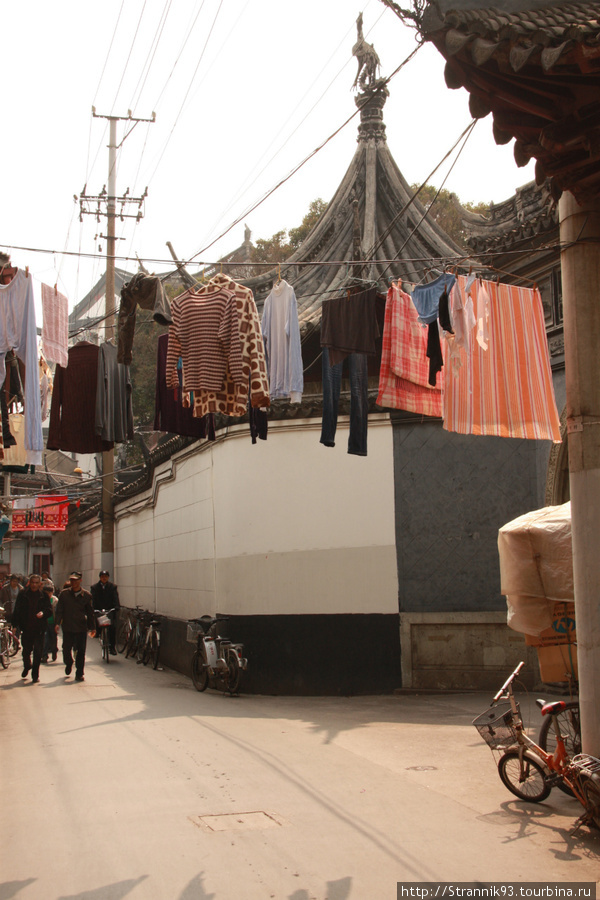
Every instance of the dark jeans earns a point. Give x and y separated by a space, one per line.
74 641
359 401
32 641
50 642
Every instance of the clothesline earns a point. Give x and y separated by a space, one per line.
204 264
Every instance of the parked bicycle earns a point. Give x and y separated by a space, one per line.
104 618
529 771
9 642
149 648
126 628
216 661
569 722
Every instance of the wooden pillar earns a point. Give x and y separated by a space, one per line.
580 260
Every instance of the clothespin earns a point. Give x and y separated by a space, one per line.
56 289
26 271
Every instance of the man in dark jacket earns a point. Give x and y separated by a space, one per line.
31 613
74 611
9 594
106 596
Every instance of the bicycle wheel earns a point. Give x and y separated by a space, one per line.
140 652
123 636
199 672
150 648
14 644
569 723
591 792
155 649
4 657
233 672
132 644
528 782
105 647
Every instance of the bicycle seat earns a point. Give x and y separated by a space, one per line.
550 709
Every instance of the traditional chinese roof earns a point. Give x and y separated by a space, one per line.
372 216
536 67
529 214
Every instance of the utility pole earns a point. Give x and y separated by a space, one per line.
110 200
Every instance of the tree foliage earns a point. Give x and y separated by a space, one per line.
445 210
282 244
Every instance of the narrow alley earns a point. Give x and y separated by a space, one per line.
133 785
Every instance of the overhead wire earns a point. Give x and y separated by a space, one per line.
177 117
151 54
129 54
306 159
252 177
110 46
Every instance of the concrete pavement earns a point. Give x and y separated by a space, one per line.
132 785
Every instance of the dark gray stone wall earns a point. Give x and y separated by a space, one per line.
452 494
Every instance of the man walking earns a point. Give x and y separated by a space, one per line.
74 611
106 596
9 593
31 613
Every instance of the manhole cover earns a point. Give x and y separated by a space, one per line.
237 821
421 768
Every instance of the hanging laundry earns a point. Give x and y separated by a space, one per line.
463 315
145 291
507 389
232 398
259 423
281 335
114 410
46 382
434 353
426 297
483 315
404 373
73 411
18 332
444 312
55 326
169 413
16 455
205 334
359 401
349 324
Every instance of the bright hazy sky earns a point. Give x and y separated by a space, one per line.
243 91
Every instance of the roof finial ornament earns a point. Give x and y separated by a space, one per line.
368 61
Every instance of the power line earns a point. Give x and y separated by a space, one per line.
305 160
175 123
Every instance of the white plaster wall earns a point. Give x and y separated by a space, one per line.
304 528
283 526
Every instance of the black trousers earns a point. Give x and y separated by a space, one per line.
74 642
32 641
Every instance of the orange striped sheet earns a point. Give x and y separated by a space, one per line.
507 389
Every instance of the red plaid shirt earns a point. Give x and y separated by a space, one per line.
404 365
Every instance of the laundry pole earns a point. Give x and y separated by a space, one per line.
580 262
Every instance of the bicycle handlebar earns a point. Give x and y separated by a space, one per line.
508 681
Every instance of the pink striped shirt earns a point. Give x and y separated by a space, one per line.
507 389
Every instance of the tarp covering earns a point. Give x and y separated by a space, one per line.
536 566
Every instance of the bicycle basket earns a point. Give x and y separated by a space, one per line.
496 726
193 630
102 621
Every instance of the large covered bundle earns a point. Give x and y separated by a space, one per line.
536 567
